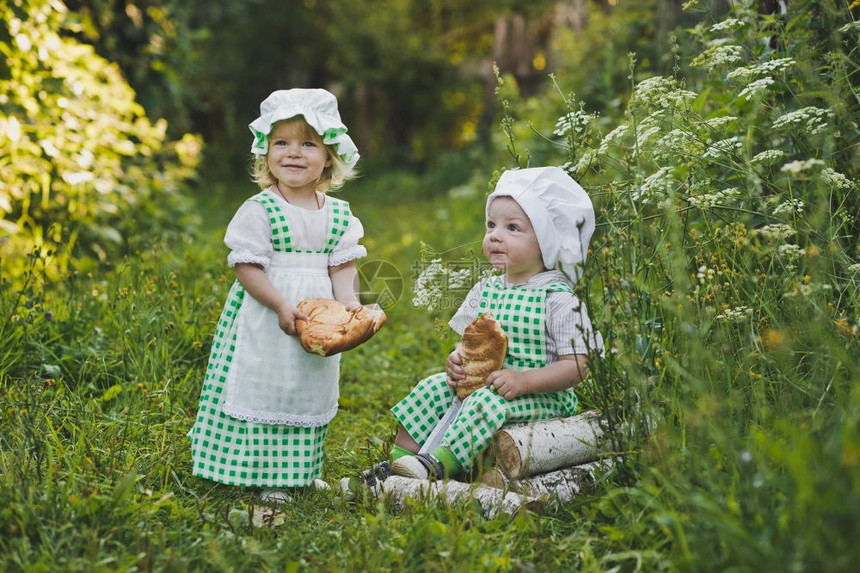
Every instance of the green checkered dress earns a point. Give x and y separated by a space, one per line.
521 312
247 453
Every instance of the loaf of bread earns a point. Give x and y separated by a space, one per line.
332 328
484 345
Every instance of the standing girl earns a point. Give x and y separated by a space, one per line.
266 403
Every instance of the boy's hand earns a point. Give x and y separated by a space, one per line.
287 316
508 383
454 367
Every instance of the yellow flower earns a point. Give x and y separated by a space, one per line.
772 338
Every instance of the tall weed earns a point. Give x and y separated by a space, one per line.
724 277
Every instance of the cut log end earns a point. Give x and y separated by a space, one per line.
508 455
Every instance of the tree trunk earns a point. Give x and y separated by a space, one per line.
522 450
491 500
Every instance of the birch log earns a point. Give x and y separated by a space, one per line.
564 484
492 501
522 450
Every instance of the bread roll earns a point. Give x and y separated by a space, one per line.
484 345
332 328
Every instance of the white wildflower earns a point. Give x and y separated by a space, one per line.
718 123
768 157
660 92
723 147
677 143
655 185
434 286
756 88
705 274
836 179
587 160
769 68
718 56
648 129
855 268
736 314
789 252
428 293
790 206
646 134
708 200
728 24
612 137
814 119
797 167
776 231
575 122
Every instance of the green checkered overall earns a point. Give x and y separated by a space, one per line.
237 452
521 312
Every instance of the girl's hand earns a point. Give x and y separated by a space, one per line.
287 315
454 367
508 383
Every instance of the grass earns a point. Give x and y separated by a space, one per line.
723 277
98 396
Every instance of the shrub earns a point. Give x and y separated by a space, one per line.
82 170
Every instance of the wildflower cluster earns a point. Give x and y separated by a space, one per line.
768 157
441 285
768 68
719 55
756 88
575 122
811 119
737 314
724 148
708 200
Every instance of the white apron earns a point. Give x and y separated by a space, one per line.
273 379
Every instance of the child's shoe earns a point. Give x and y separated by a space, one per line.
320 485
419 466
371 478
275 495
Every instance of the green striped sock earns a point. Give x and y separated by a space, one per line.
399 452
446 457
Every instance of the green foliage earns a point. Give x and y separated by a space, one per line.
724 276
82 170
729 311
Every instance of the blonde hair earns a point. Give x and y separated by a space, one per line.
332 177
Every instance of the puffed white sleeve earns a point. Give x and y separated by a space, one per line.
249 236
568 327
348 248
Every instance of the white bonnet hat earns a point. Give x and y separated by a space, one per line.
318 107
559 210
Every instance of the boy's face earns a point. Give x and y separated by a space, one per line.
297 156
510 243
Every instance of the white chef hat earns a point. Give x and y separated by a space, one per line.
559 210
318 107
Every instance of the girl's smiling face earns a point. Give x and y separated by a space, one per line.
297 156
510 243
